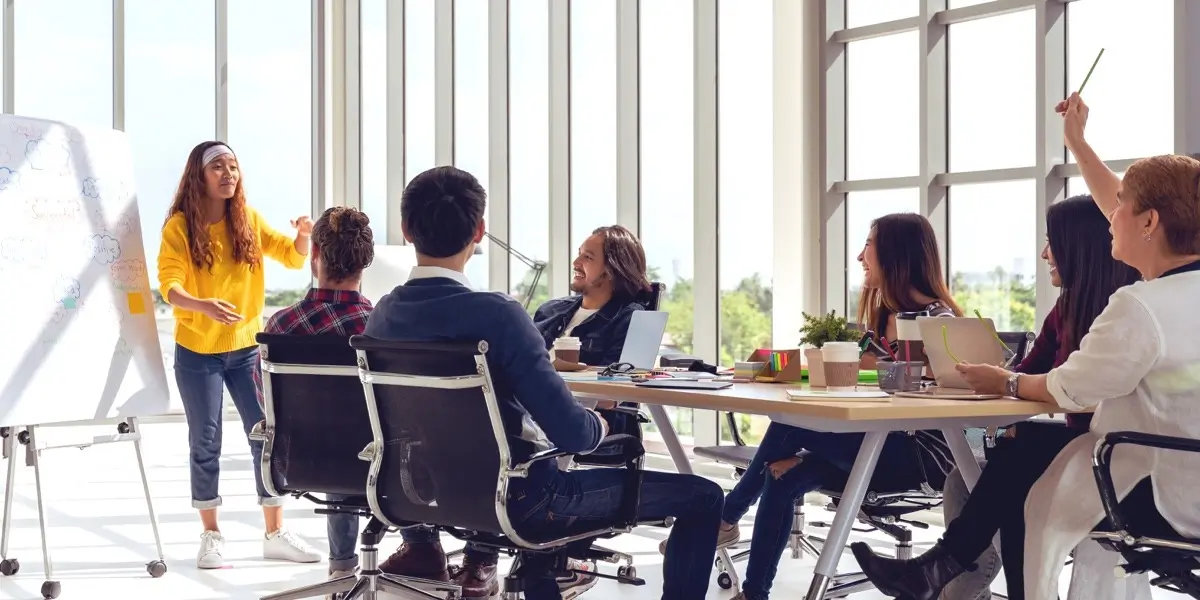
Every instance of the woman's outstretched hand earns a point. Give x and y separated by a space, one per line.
219 311
1074 112
303 225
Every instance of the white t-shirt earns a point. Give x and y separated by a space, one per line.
581 315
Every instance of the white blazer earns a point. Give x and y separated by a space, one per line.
1139 367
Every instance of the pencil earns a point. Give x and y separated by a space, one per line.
1089 73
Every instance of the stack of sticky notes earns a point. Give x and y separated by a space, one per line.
747 370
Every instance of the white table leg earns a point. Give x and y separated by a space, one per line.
847 512
662 421
964 457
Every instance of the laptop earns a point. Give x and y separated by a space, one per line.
644 338
389 269
971 340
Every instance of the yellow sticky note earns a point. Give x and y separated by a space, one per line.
137 305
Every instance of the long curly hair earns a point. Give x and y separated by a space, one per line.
190 197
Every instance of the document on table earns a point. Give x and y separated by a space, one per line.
856 396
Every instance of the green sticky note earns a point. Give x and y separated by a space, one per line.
69 303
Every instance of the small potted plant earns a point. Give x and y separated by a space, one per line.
815 333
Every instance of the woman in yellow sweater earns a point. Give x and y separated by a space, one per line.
210 269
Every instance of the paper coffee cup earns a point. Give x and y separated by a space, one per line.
841 365
567 349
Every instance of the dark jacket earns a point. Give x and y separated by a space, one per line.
537 408
602 335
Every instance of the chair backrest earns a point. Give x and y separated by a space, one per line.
316 411
439 439
1019 342
652 298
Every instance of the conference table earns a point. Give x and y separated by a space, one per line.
838 415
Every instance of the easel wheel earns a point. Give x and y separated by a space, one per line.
51 589
156 568
9 566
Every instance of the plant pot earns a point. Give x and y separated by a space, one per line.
816 367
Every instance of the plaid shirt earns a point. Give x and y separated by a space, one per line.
322 311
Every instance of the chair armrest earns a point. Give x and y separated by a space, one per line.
630 447
632 411
547 454
260 432
1102 464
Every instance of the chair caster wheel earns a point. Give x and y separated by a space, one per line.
725 581
156 568
9 566
627 572
51 589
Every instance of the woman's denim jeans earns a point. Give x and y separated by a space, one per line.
202 379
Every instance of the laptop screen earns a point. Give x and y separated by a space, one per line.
644 338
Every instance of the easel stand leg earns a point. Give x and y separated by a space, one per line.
50 588
8 566
156 568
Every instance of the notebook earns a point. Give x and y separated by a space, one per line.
685 384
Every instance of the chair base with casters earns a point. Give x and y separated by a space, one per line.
1173 559
369 581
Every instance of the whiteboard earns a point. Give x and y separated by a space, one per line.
80 341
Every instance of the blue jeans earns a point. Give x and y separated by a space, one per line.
201 379
591 498
779 442
830 458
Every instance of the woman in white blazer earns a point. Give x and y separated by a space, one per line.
1138 367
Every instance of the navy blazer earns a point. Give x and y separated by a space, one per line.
601 336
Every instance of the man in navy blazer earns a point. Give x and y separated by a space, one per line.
442 216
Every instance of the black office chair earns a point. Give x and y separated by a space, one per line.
440 456
649 300
1145 546
316 425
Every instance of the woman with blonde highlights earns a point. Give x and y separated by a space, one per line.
210 269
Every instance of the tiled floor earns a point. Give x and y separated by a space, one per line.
100 536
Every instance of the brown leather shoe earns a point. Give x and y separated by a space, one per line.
477 580
426 561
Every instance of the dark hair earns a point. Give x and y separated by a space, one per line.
1170 184
907 250
343 239
1082 247
441 210
189 200
624 261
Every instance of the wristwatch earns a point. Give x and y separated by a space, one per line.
1010 386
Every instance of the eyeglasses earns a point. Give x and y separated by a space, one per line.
622 368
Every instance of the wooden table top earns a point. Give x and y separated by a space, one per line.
771 399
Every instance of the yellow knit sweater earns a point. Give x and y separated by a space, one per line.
229 280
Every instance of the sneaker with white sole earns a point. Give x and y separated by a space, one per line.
570 586
284 545
725 539
212 545
338 575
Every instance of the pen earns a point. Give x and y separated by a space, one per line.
1089 73
888 347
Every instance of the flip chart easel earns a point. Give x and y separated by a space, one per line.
84 347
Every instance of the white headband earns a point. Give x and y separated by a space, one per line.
214 152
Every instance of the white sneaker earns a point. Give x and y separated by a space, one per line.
212 544
338 575
283 545
574 584
725 538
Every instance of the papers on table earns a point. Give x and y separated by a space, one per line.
827 396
